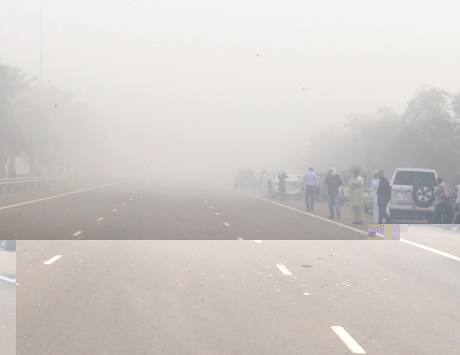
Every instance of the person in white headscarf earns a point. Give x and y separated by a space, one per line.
356 197
263 187
374 187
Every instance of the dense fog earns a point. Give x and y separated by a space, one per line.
200 88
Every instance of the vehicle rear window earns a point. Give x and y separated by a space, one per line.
414 177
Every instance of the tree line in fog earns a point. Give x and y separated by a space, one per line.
426 135
43 129
48 132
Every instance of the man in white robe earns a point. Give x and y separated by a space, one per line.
264 193
356 197
374 187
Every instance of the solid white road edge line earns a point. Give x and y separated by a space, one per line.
348 340
431 249
7 279
56 196
53 259
308 214
78 233
284 270
350 228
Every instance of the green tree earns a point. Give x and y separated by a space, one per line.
432 131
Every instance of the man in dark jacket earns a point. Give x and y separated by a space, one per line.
333 183
282 185
383 197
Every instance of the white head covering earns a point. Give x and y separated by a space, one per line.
333 171
375 180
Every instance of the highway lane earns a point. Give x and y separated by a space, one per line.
241 296
7 302
134 210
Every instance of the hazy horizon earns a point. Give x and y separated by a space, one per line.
188 84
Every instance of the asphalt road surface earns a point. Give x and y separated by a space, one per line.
150 210
7 302
240 296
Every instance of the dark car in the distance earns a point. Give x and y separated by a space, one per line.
246 178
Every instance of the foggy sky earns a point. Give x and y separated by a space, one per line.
241 82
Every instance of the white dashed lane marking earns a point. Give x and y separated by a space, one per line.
100 219
53 259
284 270
7 279
217 214
348 340
78 233
114 210
225 223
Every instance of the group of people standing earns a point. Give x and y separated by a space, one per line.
381 192
380 189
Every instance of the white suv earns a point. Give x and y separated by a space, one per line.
412 193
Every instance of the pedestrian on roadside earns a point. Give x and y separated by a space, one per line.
356 197
383 197
374 187
282 185
318 189
264 185
333 183
440 196
309 183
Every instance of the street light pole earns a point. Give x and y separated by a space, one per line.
41 42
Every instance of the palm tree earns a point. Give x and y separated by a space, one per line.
13 83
